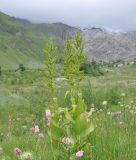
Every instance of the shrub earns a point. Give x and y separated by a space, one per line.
21 67
91 69
113 95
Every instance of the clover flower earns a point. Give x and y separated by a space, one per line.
80 154
36 129
66 140
41 135
48 113
17 151
26 156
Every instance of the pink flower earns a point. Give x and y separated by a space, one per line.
1 150
17 151
48 113
41 135
36 129
80 153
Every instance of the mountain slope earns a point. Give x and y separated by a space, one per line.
23 42
107 45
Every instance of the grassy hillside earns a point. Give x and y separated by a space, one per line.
23 42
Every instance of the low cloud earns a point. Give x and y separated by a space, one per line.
104 13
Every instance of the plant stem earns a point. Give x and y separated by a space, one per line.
52 149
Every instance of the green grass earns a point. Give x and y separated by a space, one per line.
24 97
23 43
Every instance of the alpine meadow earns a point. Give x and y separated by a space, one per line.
66 93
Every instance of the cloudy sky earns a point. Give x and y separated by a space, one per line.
115 14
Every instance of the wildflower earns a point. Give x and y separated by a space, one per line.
26 155
108 113
123 94
36 129
104 103
41 135
17 151
100 110
80 154
48 114
121 123
66 140
1 150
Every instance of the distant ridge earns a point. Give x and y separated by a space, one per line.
22 41
20 20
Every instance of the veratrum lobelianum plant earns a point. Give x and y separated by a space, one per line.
69 128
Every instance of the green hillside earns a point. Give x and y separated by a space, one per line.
23 42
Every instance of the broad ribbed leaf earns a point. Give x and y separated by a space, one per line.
68 116
56 131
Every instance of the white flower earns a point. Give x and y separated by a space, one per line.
100 110
26 156
67 140
121 123
104 103
123 94
108 113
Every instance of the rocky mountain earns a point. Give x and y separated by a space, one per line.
109 45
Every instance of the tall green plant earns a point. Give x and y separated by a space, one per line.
51 60
0 71
73 58
69 127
